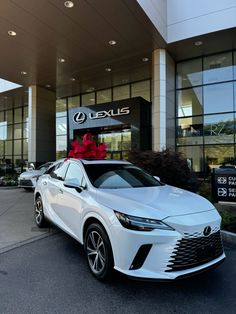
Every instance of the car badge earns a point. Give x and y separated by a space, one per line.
207 231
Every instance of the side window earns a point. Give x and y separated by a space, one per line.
59 171
74 172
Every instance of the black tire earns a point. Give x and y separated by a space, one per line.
40 220
99 252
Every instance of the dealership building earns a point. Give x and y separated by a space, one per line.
137 74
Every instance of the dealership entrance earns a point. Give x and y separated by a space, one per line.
122 125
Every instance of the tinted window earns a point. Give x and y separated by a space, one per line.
59 171
74 172
117 176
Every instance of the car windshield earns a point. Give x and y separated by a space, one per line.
118 176
44 167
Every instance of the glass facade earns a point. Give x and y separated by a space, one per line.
13 132
118 141
206 109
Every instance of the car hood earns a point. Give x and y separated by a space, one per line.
30 174
153 202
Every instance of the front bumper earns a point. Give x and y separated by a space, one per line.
27 183
162 247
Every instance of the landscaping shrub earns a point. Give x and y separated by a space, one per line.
170 166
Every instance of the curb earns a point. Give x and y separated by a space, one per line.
229 237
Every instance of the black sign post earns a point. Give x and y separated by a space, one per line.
224 184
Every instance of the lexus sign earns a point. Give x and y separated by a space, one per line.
80 117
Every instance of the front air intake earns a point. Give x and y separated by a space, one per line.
140 256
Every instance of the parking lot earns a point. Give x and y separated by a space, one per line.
46 272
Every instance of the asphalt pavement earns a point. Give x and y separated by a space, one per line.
51 276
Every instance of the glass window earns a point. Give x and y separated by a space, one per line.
1 148
2 116
74 102
17 131
3 131
218 68
9 116
9 132
189 131
219 129
8 148
189 73
194 155
61 146
235 65
141 89
18 115
17 147
25 130
25 114
61 126
60 171
88 99
104 96
189 102
25 146
216 155
121 92
74 172
218 98
61 108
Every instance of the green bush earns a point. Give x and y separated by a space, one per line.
228 221
170 166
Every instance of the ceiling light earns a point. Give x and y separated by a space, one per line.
11 33
112 42
68 4
61 60
108 69
73 79
48 85
198 43
145 59
23 73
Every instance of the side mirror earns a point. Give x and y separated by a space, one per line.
73 184
157 178
31 166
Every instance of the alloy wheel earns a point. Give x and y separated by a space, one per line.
96 252
38 211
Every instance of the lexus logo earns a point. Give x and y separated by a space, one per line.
79 117
207 231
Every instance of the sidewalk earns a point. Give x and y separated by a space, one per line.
17 224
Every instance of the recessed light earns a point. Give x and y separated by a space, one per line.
145 59
11 33
112 42
198 43
23 73
62 60
73 79
68 4
48 85
108 69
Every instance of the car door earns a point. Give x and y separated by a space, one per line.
70 202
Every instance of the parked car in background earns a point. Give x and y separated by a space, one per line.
128 220
27 179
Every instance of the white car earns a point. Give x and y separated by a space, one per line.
128 220
28 179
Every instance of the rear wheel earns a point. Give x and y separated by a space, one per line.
40 220
99 252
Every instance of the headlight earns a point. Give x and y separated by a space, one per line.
141 224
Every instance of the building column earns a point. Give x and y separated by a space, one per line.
163 100
42 134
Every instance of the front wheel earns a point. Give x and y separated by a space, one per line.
99 252
40 220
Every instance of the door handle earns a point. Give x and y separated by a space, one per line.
61 191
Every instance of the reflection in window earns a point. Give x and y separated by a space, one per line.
218 68
25 146
189 131
18 115
8 148
17 147
189 73
25 114
74 102
104 96
218 98
61 126
88 99
219 128
194 155
17 131
189 102
61 108
216 155
121 92
61 146
141 89
9 116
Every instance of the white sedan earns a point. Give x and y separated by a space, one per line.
128 220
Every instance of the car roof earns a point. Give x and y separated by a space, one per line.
99 161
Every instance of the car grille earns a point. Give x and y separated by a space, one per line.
193 252
26 182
